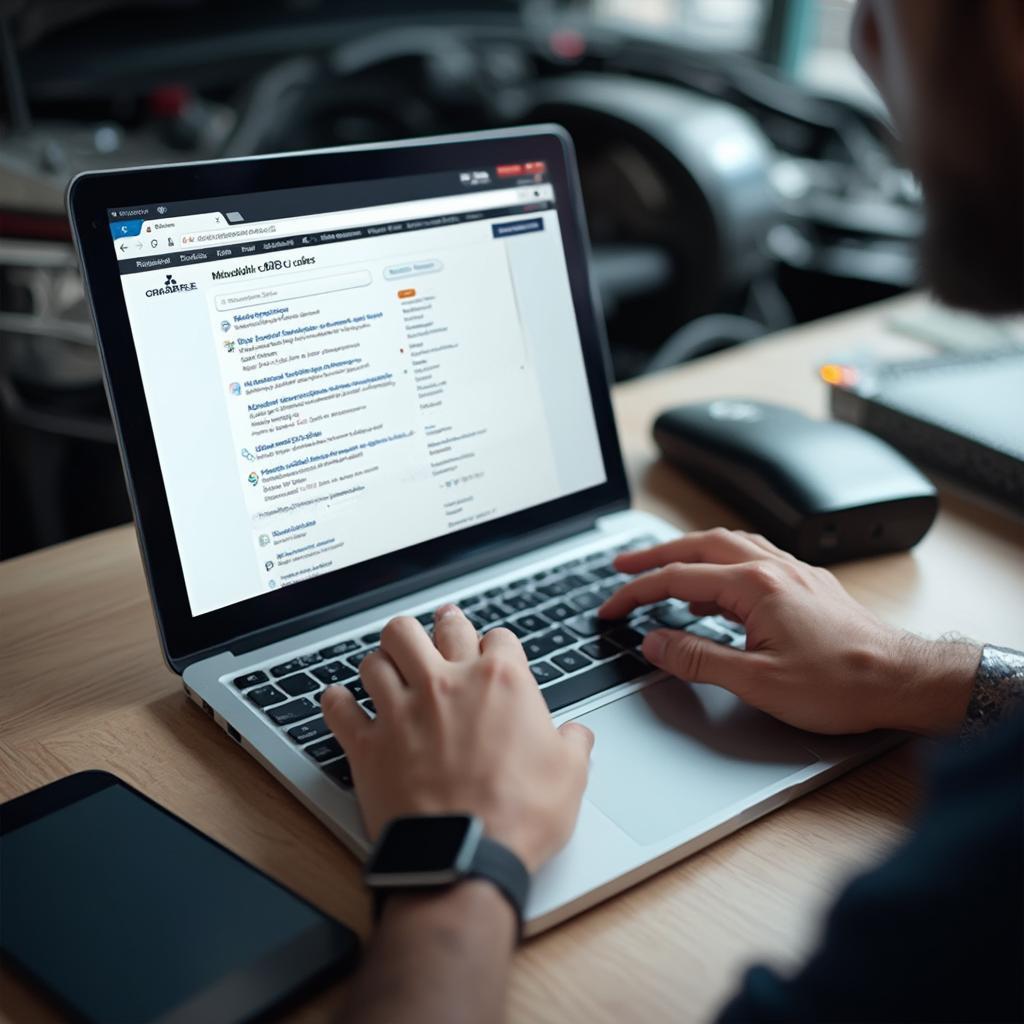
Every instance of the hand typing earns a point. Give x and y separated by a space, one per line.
815 658
461 727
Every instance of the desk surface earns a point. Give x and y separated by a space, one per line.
84 686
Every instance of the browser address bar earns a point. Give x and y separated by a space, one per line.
344 219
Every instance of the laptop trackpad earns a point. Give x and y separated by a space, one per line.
673 754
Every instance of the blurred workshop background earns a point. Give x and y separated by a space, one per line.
738 172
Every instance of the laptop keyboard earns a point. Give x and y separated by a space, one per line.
573 655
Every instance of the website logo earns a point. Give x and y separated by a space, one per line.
171 287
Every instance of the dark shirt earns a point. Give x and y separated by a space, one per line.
937 932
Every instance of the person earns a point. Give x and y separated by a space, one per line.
935 933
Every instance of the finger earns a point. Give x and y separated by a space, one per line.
502 641
344 716
699 660
406 643
719 547
382 681
579 737
454 635
733 587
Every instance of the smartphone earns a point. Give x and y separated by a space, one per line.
122 911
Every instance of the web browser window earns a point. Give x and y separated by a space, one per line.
338 372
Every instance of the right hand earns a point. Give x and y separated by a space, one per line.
815 658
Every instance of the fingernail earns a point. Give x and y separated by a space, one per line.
653 647
445 610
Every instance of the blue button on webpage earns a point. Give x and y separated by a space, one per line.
517 227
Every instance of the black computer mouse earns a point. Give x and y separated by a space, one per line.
824 490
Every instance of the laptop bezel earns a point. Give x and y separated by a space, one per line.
267 617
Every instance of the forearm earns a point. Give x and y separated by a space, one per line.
437 958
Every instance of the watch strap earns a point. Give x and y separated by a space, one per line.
493 862
499 865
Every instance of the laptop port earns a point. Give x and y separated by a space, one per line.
233 733
208 709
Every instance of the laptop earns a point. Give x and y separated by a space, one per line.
355 383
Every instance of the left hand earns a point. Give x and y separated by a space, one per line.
461 727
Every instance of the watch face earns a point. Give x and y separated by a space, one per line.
421 845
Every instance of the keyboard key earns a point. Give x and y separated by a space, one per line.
425 619
517 602
371 639
325 750
493 593
340 772
645 626
487 614
706 630
293 711
334 672
356 689
586 600
296 685
600 649
250 679
625 636
588 625
545 643
602 571
607 589
674 614
559 612
312 730
305 660
357 659
554 588
544 672
265 696
530 624
286 669
369 707
571 661
519 631
340 648
564 692
575 581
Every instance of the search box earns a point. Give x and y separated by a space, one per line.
305 289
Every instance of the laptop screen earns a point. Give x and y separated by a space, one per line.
338 372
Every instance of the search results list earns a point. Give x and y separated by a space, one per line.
377 405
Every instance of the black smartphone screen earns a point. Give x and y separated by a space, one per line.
125 913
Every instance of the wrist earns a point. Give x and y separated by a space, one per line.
933 680
470 905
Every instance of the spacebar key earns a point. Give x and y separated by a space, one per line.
602 677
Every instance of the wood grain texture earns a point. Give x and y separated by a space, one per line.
84 686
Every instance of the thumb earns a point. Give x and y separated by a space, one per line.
343 714
697 659
579 737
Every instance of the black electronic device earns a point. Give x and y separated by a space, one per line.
121 911
960 415
438 850
825 491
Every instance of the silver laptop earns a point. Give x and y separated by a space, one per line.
357 383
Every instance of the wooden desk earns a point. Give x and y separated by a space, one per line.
84 686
